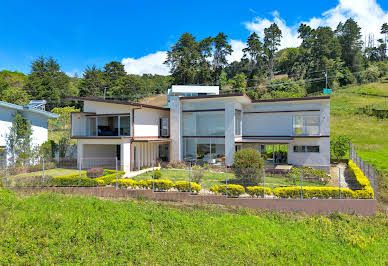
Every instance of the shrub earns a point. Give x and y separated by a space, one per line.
247 165
109 172
143 184
156 174
365 189
95 172
161 184
339 146
258 191
197 173
313 192
233 190
107 179
177 165
215 189
308 172
73 180
183 186
125 183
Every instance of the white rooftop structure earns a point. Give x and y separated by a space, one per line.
193 90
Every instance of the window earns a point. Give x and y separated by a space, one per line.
125 126
203 149
164 132
306 125
237 123
204 123
301 148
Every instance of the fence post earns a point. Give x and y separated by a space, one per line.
301 183
117 178
263 182
374 183
153 176
339 181
6 173
80 169
190 178
42 171
226 180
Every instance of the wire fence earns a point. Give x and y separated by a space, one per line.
268 182
368 170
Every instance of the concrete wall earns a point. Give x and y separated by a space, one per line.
106 108
176 150
366 207
147 122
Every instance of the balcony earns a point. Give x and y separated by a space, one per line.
100 126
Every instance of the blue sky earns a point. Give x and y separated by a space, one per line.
138 33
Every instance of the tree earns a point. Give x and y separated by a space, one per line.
382 49
15 95
253 57
349 37
223 79
272 36
238 82
93 82
18 140
113 72
221 50
247 165
384 30
340 146
47 82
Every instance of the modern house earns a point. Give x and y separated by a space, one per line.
207 127
34 112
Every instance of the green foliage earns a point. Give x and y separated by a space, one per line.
184 186
156 174
125 183
320 176
272 36
73 181
234 191
48 149
238 82
108 178
160 184
15 95
247 165
339 146
313 192
18 140
257 191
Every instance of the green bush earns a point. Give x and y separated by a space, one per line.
233 190
161 184
107 179
247 165
109 172
365 189
258 191
156 174
313 192
183 186
73 180
339 146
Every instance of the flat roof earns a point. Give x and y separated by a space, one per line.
91 99
255 101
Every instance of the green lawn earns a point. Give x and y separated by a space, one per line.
369 134
212 178
64 229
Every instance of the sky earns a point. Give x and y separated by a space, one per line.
139 33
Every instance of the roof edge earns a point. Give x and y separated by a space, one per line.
255 101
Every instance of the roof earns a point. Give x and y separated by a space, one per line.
91 99
256 101
194 89
29 109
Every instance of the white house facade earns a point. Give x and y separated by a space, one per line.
205 128
37 117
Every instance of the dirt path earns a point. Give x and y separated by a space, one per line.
335 171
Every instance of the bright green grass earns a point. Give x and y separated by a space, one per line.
60 229
211 178
369 134
50 172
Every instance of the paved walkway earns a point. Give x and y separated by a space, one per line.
136 173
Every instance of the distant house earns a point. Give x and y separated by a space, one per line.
202 125
34 112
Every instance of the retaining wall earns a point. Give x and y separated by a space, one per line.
365 207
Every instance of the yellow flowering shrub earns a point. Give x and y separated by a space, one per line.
183 186
258 191
161 184
233 190
125 183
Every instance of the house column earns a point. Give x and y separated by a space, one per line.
229 133
125 159
80 152
175 128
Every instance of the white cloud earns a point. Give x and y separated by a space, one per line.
149 64
368 14
237 53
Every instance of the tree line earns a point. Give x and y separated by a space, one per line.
336 55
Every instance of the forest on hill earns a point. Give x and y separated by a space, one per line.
327 58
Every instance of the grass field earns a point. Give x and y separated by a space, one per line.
369 134
212 178
55 228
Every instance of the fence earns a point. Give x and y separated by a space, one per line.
368 170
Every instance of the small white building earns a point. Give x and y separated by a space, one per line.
209 127
34 112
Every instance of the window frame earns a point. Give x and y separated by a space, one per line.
304 126
305 148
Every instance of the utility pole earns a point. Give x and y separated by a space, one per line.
326 78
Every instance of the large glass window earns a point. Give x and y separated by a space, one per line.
306 125
108 126
125 126
210 150
204 123
237 121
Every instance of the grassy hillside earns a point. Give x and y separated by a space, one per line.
369 133
53 228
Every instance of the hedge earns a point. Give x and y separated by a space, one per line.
107 179
183 186
313 192
125 183
233 190
366 190
73 180
161 184
109 172
258 191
